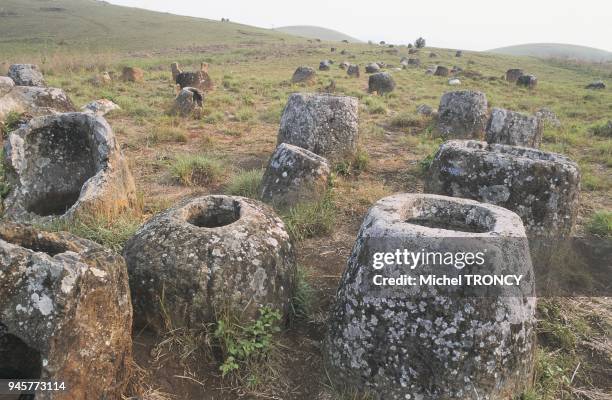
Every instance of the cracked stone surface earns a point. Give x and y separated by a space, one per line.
65 312
61 165
294 175
34 101
209 254
541 187
26 75
513 128
100 107
462 114
426 341
325 124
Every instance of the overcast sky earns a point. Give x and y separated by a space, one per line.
466 24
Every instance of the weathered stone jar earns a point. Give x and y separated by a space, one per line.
513 128
207 255
325 124
462 114
429 341
65 313
62 165
294 175
541 187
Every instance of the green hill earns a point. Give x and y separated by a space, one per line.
316 32
97 25
556 50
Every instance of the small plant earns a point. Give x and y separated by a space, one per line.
245 344
375 105
214 117
244 114
306 220
425 163
245 183
600 224
193 170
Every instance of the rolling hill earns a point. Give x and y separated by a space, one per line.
317 32
556 50
97 25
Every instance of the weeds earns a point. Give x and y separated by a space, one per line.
245 183
4 185
167 134
303 298
243 344
10 123
192 170
358 164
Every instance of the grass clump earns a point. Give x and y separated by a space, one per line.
375 105
307 220
303 298
4 185
603 129
407 120
600 224
357 165
167 134
245 183
109 231
191 170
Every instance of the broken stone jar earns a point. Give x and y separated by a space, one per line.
62 165
541 187
206 256
431 338
65 313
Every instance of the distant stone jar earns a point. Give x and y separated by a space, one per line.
428 341
513 128
528 81
65 313
188 102
462 114
441 71
208 255
325 124
513 74
542 188
294 175
353 71
132 74
303 74
381 83
63 165
372 68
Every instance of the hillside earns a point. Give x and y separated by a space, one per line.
317 32
100 26
556 50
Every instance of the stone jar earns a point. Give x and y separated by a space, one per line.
65 313
541 187
429 341
208 255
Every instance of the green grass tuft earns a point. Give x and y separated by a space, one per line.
600 224
245 183
307 220
192 170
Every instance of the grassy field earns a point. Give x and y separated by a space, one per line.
225 150
556 50
317 32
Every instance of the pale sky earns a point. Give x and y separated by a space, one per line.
465 24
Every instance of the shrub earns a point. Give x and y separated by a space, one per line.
600 224
194 170
246 183
419 43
